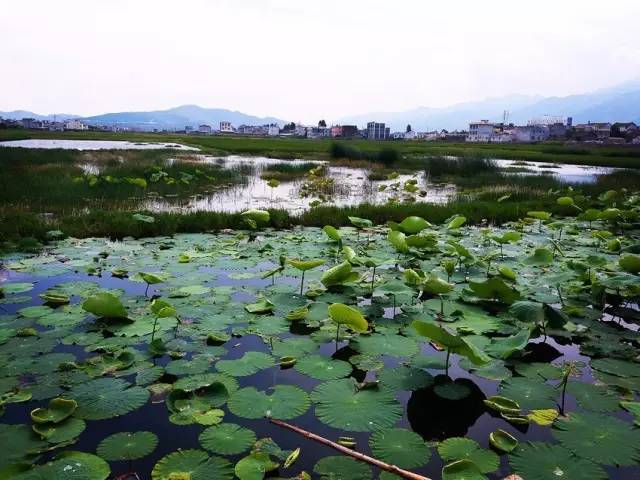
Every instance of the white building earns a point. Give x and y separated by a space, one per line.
410 135
226 127
273 130
75 124
531 133
204 128
483 131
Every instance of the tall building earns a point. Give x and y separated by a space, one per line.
377 131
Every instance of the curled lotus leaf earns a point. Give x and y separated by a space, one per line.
332 233
105 304
59 409
339 275
361 222
398 240
258 216
163 309
304 265
350 317
413 225
630 262
503 441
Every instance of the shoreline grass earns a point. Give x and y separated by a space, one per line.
623 156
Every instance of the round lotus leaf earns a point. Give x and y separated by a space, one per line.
194 290
413 225
592 397
393 345
35 312
107 398
61 432
458 448
341 405
70 466
616 367
542 461
400 447
248 364
254 466
404 378
192 465
323 368
462 470
227 439
197 364
127 446
452 390
59 409
342 468
530 394
602 439
16 287
284 402
201 380
17 441
503 441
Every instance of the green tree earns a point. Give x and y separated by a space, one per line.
322 124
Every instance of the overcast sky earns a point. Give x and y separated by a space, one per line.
304 60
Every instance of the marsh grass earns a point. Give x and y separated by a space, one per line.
286 172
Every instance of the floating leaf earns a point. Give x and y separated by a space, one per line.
400 447
227 439
457 448
323 368
250 363
69 465
107 398
284 402
541 461
104 304
503 441
192 465
342 468
59 409
127 446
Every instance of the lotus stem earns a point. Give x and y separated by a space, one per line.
337 336
373 278
352 453
302 283
560 295
446 371
153 333
146 290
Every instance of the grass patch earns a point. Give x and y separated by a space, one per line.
286 172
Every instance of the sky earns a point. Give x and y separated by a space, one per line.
303 60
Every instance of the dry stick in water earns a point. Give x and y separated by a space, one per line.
347 451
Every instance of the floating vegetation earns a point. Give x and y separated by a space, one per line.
448 350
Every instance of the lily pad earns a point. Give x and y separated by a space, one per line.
541 461
342 468
107 398
127 446
192 465
250 363
284 402
400 447
59 409
323 368
227 439
457 448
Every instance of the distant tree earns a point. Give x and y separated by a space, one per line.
322 124
289 126
408 128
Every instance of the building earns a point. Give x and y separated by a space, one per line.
410 135
626 130
484 131
557 131
273 130
204 128
75 124
225 127
377 131
531 133
336 131
32 123
595 130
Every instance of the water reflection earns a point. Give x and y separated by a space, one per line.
94 145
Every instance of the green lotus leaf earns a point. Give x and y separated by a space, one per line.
541 461
197 381
630 262
436 286
495 289
526 311
338 275
254 466
227 439
413 225
127 446
107 398
611 214
544 417
258 216
503 405
541 257
341 405
59 409
462 470
350 317
194 290
63 432
451 341
634 408
457 448
18 443
304 265
506 347
529 394
507 272
404 378
70 466
592 397
614 366
539 215
152 278
284 402
456 222
452 390
248 364
143 218
342 468
56 298
104 304
192 465
16 287
589 215
565 201
332 233
323 368
602 439
260 307
503 441
421 241
400 447
360 222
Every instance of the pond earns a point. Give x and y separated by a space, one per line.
389 389
563 171
351 187
94 145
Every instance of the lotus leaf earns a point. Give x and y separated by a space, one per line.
348 316
495 289
192 465
127 446
456 222
107 398
249 364
254 466
104 304
503 441
59 409
227 439
339 275
541 461
413 225
332 233
457 448
541 257
323 368
285 402
361 222
462 470
70 466
400 447
342 468
630 262
64 432
543 417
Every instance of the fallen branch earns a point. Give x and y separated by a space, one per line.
347 451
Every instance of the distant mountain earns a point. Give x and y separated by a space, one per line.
179 117
20 114
620 103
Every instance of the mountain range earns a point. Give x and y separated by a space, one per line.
620 103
